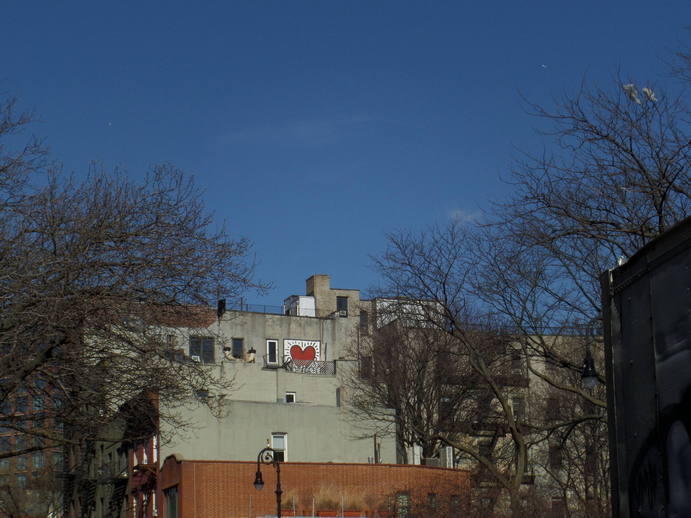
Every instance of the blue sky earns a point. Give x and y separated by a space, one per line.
315 127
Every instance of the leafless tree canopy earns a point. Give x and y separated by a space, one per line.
96 274
614 175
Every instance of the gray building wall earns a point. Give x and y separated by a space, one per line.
315 433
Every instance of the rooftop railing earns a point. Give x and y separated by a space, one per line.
282 310
257 308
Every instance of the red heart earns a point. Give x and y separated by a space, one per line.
308 354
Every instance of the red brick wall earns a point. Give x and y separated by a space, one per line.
222 489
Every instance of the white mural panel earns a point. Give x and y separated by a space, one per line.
302 351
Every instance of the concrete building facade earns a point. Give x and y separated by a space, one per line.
287 375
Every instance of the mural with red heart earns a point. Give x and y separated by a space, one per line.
308 353
301 350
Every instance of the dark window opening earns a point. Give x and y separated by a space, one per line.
516 361
342 306
558 507
272 352
238 348
364 322
485 449
553 410
22 404
455 506
446 409
171 497
518 403
555 457
365 367
432 501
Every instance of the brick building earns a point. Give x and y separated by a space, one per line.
224 489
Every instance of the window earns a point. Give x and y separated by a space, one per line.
516 361
342 306
446 409
37 460
21 463
238 348
22 404
37 403
364 322
4 464
558 507
365 367
455 506
279 442
485 449
553 410
518 403
432 501
272 352
402 505
202 347
21 481
555 458
291 397
171 499
57 461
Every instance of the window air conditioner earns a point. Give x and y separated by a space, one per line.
196 358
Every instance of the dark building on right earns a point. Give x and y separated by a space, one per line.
647 326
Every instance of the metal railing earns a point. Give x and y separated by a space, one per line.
256 308
318 368
313 367
283 310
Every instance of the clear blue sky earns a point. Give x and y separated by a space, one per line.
317 126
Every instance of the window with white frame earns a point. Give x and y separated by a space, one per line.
272 352
279 442
291 397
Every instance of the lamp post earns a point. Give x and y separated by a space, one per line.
589 376
588 373
268 456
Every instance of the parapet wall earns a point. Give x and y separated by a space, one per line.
216 489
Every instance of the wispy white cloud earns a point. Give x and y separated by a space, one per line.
463 216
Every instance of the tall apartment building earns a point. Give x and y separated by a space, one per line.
287 367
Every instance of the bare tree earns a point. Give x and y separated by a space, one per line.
443 365
402 366
615 176
96 275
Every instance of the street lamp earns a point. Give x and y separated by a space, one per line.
588 373
268 456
